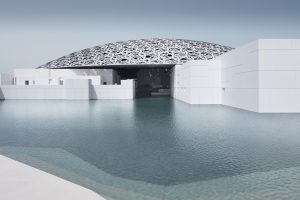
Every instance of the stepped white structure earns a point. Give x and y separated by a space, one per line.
262 76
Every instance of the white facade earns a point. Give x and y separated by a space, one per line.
263 76
197 82
240 80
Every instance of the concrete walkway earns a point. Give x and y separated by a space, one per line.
22 182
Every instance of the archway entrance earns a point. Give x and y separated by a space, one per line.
149 81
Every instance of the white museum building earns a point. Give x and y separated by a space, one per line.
262 76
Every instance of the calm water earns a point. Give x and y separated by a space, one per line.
156 147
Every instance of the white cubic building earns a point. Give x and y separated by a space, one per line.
262 76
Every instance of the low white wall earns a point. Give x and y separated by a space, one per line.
32 92
74 89
197 82
124 91
77 89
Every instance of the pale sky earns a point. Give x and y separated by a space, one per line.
33 32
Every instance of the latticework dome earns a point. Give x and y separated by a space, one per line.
139 52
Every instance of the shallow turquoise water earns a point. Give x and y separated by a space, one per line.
157 147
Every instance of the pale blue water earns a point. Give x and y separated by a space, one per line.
157 148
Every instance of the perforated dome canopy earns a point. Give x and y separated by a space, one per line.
154 51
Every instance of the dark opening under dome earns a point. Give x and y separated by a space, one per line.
154 51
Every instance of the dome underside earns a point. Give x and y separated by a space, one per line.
140 52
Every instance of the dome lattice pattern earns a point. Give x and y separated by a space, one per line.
144 51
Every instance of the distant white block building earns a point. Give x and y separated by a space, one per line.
262 76
72 84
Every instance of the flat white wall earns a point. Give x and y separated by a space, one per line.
74 89
124 91
263 76
197 82
279 75
6 79
32 92
180 83
107 75
34 76
77 89
240 77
